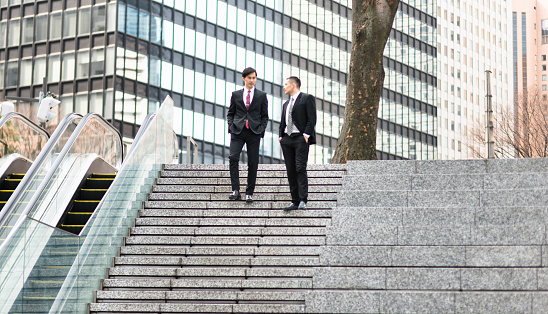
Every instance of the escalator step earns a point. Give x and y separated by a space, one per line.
92 194
103 175
98 183
5 194
84 206
72 228
77 218
16 176
11 184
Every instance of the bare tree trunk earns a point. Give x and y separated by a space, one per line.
371 25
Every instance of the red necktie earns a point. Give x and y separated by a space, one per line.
247 103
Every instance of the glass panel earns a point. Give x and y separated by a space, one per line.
25 77
14 32
154 72
41 27
2 64
3 28
28 30
54 68
100 240
81 104
19 135
82 70
110 61
84 17
144 24
132 21
156 29
97 61
68 66
12 74
111 17
99 18
142 68
55 25
69 29
96 103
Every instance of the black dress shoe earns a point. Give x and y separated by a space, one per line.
291 207
235 196
248 199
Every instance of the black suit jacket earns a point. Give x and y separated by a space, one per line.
257 115
304 116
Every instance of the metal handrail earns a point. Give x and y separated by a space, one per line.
28 121
54 167
189 140
29 176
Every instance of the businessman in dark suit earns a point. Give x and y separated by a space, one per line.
247 118
296 135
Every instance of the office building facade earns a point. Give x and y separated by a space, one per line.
473 37
530 48
121 58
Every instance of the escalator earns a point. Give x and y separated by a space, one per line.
71 221
85 200
8 185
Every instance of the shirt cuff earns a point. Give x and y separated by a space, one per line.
307 136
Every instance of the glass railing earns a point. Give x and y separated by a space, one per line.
58 272
20 135
21 196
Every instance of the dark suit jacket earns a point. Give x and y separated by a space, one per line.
257 115
304 116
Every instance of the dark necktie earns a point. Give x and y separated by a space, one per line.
290 117
247 103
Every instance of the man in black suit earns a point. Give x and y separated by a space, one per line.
247 118
296 135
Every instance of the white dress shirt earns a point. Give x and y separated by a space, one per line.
251 96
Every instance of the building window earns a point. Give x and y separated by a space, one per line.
543 57
544 77
544 67
544 26
543 87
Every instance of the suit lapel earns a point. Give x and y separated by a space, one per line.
255 96
297 102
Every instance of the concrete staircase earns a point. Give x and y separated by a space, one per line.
194 251
387 237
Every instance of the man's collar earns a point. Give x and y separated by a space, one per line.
296 95
252 90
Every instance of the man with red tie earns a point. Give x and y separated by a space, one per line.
247 118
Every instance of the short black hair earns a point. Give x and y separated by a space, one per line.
248 71
295 80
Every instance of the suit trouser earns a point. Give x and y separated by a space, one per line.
295 150
253 143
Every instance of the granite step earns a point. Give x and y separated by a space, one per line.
121 272
213 283
227 189
233 205
226 240
228 231
290 261
332 197
236 222
241 213
219 251
200 295
100 308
